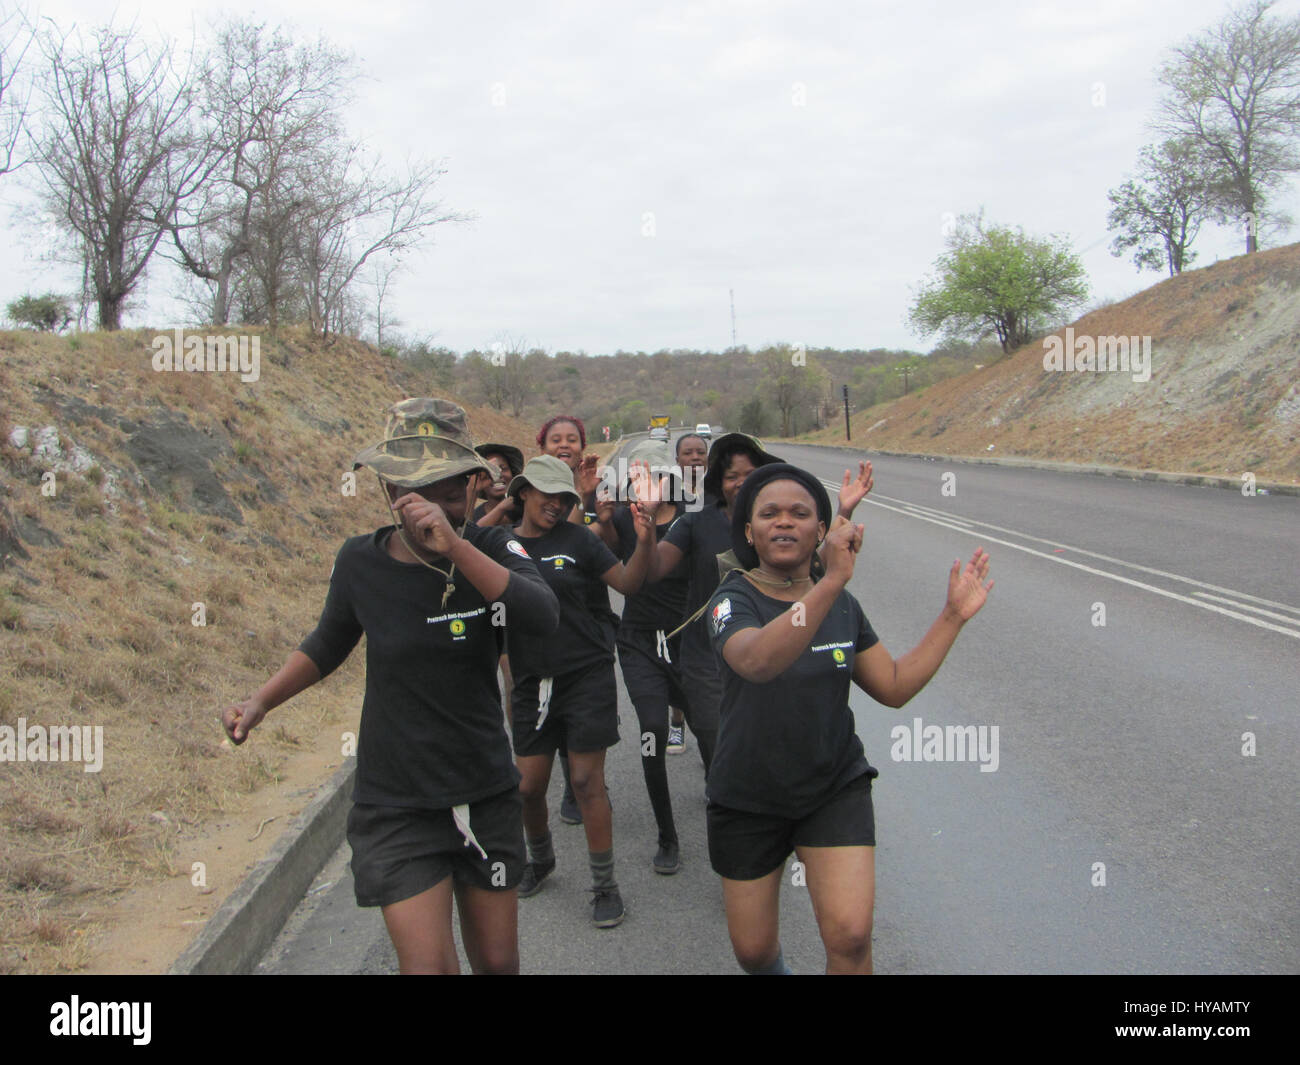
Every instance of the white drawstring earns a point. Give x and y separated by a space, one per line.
661 646
460 814
543 700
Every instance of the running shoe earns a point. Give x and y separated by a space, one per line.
569 812
676 740
534 874
607 907
666 861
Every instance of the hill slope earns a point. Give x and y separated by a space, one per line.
169 490
1223 395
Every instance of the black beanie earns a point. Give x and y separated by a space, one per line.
744 504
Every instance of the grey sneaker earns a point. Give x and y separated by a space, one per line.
569 812
676 740
607 907
666 861
534 874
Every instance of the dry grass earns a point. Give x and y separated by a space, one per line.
99 631
1222 398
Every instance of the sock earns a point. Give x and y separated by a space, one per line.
541 851
602 869
778 967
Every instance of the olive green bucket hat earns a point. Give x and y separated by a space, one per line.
547 474
425 440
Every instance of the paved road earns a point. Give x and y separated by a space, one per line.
1120 751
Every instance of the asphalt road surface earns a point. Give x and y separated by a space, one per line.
1139 815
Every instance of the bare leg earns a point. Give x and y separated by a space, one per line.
420 928
489 928
588 777
753 919
842 883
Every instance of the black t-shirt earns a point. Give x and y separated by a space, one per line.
701 536
432 731
571 560
662 604
786 746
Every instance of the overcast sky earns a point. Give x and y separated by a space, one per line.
628 164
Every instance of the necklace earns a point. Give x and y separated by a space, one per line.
787 582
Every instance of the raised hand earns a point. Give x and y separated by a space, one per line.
432 529
840 550
967 591
587 476
854 490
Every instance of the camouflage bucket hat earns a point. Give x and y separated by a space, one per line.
547 474
425 440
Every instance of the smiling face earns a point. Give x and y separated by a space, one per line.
562 441
784 525
739 466
544 510
492 491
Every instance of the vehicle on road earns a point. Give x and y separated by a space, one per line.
658 432
705 430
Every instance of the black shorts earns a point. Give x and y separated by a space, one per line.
745 846
653 682
582 715
398 852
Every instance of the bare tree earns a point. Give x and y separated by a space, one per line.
352 213
120 152
270 104
16 37
1236 91
381 278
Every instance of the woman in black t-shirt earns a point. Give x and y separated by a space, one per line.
436 811
789 771
565 690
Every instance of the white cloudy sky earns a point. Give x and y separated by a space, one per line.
804 154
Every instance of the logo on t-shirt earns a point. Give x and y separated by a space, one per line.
721 615
558 561
839 653
517 548
457 627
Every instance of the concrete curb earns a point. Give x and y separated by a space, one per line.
246 924
1128 472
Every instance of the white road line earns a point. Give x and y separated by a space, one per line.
1100 573
875 498
1244 606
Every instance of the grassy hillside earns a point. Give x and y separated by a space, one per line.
1223 396
169 490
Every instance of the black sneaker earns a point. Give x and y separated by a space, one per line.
569 812
607 907
534 874
666 861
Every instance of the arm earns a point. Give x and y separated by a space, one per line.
627 578
663 560
501 514
435 534
298 673
585 479
894 682
760 654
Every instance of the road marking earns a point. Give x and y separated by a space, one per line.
1102 573
1252 609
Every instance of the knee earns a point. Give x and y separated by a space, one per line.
586 783
499 961
849 939
531 789
757 958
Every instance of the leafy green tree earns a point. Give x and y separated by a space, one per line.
1159 214
50 313
996 280
1236 92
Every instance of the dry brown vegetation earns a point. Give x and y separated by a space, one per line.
1223 399
96 622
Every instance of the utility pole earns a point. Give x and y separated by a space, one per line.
904 370
847 434
733 316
